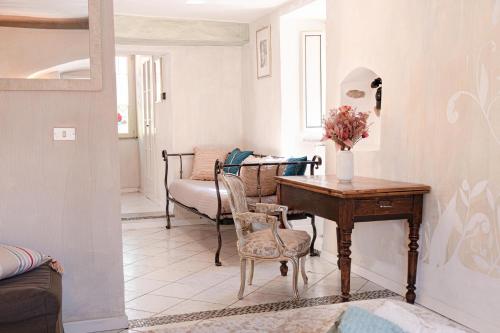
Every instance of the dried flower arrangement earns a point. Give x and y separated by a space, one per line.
345 126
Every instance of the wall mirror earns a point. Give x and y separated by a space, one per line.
50 45
362 88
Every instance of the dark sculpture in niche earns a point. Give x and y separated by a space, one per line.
377 84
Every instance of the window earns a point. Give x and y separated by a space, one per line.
313 83
125 95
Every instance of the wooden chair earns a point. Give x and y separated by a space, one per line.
269 243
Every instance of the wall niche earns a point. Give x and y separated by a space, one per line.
362 89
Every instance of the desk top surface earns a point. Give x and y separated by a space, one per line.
359 187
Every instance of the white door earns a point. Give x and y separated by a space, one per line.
147 123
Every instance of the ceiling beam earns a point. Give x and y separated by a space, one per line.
79 23
137 30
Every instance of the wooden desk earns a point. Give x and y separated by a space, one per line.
363 200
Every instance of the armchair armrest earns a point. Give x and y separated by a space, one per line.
247 219
273 208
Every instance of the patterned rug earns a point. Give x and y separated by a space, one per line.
143 217
261 308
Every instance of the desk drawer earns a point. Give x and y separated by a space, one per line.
383 206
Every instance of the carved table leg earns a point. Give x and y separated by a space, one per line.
284 268
414 223
339 242
345 263
312 251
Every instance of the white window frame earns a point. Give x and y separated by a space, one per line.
312 133
132 106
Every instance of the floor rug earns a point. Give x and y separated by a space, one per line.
261 308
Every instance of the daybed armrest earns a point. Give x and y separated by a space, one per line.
166 155
247 219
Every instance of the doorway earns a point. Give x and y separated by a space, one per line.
141 97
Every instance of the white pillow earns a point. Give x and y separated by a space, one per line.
17 260
409 322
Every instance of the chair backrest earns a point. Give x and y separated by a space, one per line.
236 191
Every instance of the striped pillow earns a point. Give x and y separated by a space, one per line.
17 260
204 162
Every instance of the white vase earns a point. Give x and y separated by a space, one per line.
345 165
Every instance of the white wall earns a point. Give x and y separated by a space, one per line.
262 97
439 62
427 53
130 173
295 140
204 100
262 101
63 197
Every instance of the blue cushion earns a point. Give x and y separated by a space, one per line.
357 320
236 157
296 169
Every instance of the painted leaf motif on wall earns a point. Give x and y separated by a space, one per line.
485 103
478 189
471 237
483 86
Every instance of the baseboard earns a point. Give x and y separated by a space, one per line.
477 324
423 299
96 325
328 256
130 190
394 286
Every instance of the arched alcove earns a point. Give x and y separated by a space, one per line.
362 89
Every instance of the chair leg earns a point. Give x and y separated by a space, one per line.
250 278
303 269
243 270
295 262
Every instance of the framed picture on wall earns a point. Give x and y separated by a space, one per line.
158 65
264 52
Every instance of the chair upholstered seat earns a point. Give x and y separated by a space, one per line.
263 244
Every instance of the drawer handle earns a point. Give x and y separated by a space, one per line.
385 204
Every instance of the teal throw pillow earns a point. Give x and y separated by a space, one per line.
236 157
296 169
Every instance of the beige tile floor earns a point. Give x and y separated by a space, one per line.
137 203
171 271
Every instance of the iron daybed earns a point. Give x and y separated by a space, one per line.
211 198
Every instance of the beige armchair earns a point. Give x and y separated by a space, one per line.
269 243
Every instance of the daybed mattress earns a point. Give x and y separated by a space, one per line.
202 196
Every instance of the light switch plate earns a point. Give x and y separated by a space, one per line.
65 134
